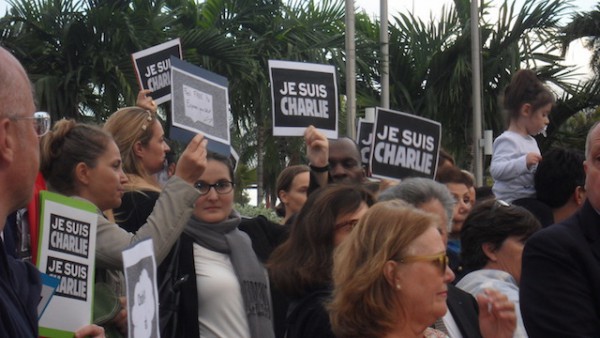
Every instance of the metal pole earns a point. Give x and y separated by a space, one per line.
476 62
350 71
385 55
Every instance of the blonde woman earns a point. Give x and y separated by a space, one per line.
390 279
141 141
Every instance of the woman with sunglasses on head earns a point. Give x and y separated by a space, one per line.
224 290
390 278
301 266
83 161
493 238
141 140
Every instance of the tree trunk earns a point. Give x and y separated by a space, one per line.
260 146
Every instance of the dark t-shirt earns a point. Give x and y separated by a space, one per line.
135 208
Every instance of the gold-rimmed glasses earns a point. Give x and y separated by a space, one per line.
439 260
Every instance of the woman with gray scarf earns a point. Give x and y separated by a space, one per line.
224 289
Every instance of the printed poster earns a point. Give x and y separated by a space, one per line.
200 104
152 67
303 94
364 139
67 250
404 145
142 291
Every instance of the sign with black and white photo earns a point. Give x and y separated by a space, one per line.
404 145
303 94
67 252
142 291
200 104
152 68
364 138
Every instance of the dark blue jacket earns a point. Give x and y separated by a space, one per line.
20 290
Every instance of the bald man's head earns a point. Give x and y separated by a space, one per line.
344 161
19 143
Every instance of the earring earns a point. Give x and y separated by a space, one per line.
398 286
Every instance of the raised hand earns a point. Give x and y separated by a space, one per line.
145 101
317 147
192 161
497 318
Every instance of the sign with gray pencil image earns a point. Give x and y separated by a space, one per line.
404 145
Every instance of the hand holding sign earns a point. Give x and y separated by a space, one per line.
90 330
145 101
317 147
192 162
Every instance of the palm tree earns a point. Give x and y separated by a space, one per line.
586 26
430 71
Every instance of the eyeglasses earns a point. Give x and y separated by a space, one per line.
222 187
348 225
440 260
41 122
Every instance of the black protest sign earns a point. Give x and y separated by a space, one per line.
364 139
152 67
73 278
303 94
69 235
404 145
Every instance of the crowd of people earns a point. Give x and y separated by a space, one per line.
350 257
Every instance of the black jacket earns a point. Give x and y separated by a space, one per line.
560 280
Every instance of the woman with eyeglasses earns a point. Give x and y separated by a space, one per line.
493 238
224 290
390 278
83 161
301 266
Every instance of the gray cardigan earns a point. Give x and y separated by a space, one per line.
164 225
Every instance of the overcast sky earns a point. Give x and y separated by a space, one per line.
428 8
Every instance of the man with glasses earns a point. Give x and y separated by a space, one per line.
560 278
20 284
20 129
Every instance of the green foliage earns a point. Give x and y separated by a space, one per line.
252 211
77 53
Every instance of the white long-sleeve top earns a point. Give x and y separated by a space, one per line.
512 179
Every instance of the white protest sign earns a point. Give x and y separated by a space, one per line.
303 94
142 293
152 68
404 145
67 251
200 104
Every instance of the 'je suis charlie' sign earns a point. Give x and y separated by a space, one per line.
303 94
152 67
404 145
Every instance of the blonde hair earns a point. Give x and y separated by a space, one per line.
364 304
128 126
